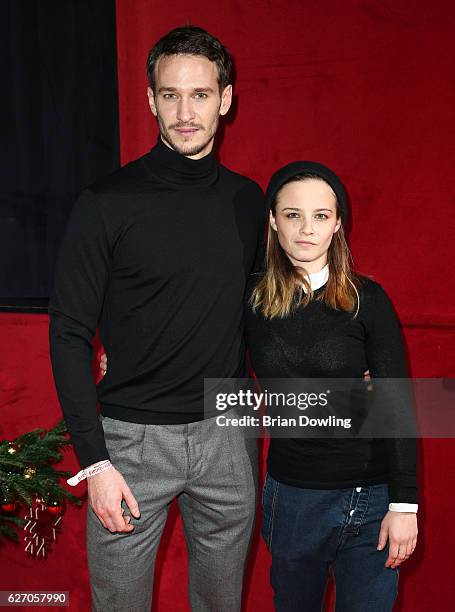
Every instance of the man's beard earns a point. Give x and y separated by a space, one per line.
187 149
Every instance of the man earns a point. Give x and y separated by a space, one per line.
158 255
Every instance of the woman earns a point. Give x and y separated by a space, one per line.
328 503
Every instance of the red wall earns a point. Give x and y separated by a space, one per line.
366 87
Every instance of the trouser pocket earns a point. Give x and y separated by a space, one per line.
269 494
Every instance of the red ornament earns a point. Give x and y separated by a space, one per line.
9 507
55 507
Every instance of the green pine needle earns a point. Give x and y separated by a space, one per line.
40 449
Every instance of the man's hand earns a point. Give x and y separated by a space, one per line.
400 528
106 491
103 363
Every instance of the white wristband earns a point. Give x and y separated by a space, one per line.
91 470
402 507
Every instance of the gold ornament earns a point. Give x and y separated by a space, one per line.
29 472
13 448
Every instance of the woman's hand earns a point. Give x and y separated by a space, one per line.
103 363
400 528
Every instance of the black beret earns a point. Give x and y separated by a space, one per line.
283 175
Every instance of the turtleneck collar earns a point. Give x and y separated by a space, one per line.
180 171
318 279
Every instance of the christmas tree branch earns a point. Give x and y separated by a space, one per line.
27 472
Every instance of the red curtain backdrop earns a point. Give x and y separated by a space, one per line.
365 87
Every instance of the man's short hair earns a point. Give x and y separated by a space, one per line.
191 40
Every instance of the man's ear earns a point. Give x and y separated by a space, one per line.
272 221
151 98
226 100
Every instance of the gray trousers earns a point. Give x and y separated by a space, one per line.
212 470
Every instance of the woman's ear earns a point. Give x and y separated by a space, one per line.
272 221
337 226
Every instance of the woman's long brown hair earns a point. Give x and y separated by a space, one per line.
279 291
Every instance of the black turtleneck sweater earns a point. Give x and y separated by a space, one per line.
157 255
317 341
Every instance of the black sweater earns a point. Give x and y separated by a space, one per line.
317 341
157 255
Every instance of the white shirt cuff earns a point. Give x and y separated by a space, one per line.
403 507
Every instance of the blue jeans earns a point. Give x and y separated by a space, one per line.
309 530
